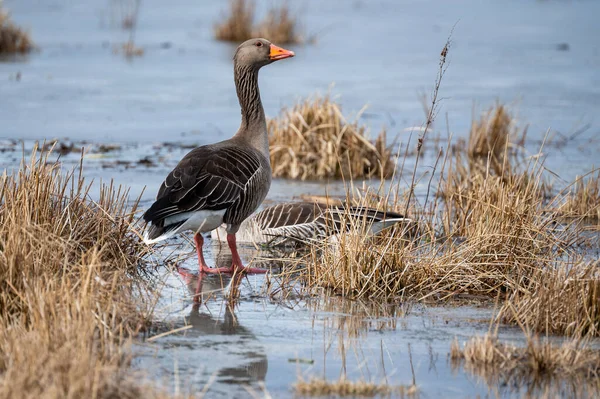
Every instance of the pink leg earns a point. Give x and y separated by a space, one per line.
237 261
203 267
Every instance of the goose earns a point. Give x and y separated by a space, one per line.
225 182
291 223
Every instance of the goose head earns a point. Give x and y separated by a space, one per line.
259 52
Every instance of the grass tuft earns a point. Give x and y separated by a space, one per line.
237 26
583 201
564 299
344 387
13 39
492 139
313 140
278 26
70 286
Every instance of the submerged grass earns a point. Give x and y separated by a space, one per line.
13 39
279 25
70 292
313 140
343 387
537 364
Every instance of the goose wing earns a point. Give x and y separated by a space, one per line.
207 178
297 221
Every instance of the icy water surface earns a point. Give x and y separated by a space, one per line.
541 56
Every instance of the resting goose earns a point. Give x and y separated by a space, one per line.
290 223
222 183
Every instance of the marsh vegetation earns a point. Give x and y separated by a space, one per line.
86 310
13 39
314 140
73 291
280 24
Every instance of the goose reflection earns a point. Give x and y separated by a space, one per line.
204 287
233 348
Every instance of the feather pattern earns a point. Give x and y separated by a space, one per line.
289 223
222 176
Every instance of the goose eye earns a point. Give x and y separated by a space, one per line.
259 44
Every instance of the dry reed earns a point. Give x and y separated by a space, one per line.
69 286
583 201
538 363
237 26
279 25
564 299
344 387
313 140
491 139
13 39
487 234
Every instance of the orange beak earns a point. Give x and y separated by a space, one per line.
278 53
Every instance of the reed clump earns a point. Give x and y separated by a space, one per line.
313 140
344 387
279 25
70 286
237 26
13 39
493 138
563 299
538 363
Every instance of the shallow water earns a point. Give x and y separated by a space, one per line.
182 88
543 56
255 343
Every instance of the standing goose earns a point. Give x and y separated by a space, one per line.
223 182
292 223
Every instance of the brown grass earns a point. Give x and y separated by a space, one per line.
313 140
492 139
237 26
129 50
69 286
564 299
344 387
583 200
539 363
279 25
488 233
13 39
